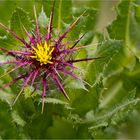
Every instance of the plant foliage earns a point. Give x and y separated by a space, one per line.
107 109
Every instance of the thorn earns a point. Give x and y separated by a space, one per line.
42 105
78 41
70 27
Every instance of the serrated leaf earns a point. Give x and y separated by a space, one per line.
121 23
103 124
111 61
127 103
62 12
42 19
126 22
86 23
7 97
85 101
54 101
17 119
18 20
7 42
70 83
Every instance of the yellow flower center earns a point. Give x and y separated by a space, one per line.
43 53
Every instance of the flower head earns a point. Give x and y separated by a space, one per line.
43 53
44 57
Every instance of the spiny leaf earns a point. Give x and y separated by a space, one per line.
17 119
6 42
54 101
7 97
121 23
18 20
103 124
42 19
111 61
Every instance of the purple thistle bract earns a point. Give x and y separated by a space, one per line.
44 57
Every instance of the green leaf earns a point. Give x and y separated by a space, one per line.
7 42
54 101
111 61
86 23
28 92
84 101
119 29
103 124
62 12
17 119
58 127
7 128
137 13
19 20
42 19
125 28
7 97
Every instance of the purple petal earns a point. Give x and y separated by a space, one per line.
14 34
21 65
78 41
60 85
69 29
13 62
74 49
25 84
37 27
32 40
44 91
34 76
12 82
50 23
20 52
74 76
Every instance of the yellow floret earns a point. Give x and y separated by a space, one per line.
43 53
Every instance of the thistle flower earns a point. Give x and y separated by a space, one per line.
44 57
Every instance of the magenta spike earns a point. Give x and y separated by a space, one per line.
12 62
84 59
44 91
12 82
27 33
32 40
20 52
34 76
74 49
60 86
25 84
6 51
69 29
68 64
23 64
78 41
70 42
37 27
50 23
14 34
74 76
